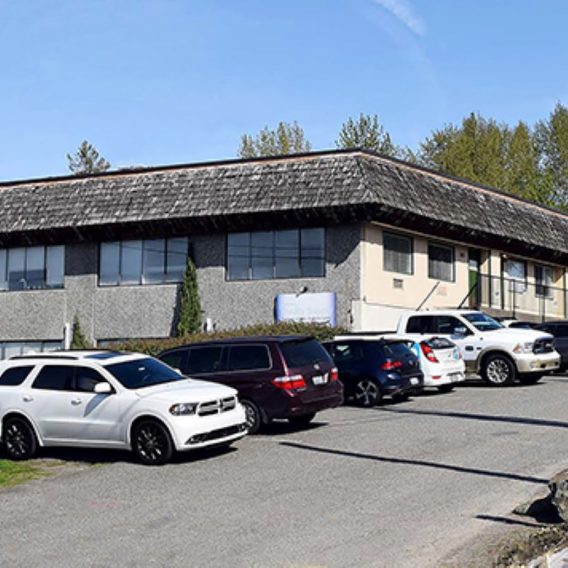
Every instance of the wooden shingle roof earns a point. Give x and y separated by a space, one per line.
324 187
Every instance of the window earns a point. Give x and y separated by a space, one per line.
421 324
263 255
149 261
145 372
446 325
55 377
516 272
11 348
303 353
249 358
544 276
440 262
32 268
397 251
204 360
174 360
14 376
86 379
346 353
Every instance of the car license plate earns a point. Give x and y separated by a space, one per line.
414 381
319 379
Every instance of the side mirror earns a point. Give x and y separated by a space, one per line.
103 388
460 331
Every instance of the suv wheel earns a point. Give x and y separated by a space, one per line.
367 393
19 439
498 370
253 418
152 443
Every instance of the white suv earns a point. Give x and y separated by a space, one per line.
104 399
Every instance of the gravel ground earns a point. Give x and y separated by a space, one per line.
400 485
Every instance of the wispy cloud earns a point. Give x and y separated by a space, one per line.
404 12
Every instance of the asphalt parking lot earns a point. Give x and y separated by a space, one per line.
398 485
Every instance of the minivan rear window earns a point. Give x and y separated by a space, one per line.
304 352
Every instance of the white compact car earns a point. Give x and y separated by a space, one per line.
441 362
104 399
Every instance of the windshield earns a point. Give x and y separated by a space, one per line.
143 373
483 322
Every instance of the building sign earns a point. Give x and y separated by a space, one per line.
315 308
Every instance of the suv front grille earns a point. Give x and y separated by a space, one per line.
216 406
543 346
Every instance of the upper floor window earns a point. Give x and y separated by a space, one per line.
32 268
441 262
292 253
397 253
148 261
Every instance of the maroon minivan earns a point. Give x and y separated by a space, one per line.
290 377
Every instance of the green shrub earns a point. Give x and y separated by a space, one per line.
78 339
154 346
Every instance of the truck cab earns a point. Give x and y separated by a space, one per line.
500 355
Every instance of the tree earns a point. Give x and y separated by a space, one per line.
78 339
522 172
552 145
87 160
366 132
285 139
189 320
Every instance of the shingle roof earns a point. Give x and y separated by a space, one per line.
330 186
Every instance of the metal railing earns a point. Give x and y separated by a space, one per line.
516 297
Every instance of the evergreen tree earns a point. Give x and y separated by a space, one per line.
522 175
285 139
189 320
366 132
87 160
78 339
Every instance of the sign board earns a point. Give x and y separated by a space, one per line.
313 308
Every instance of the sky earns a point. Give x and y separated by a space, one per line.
172 81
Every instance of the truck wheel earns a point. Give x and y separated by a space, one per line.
498 370
529 379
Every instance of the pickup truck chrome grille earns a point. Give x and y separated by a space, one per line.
216 406
543 346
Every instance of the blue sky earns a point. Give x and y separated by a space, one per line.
179 81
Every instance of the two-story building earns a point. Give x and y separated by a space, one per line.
348 237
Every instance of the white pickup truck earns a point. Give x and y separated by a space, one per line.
500 355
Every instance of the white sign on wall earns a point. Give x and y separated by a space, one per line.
315 308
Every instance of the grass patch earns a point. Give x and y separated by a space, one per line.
14 473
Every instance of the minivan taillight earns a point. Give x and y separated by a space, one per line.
391 365
294 382
428 353
334 375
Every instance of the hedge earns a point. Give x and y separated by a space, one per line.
155 346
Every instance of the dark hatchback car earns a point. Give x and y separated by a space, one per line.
288 377
559 329
372 368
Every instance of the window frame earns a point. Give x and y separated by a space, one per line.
452 250
411 253
166 279
300 258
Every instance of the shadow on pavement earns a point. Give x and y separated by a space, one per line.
420 463
482 417
280 427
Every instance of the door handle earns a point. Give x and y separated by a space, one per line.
76 401
27 398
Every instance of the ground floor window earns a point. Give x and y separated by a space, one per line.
516 273
397 253
544 277
441 262
12 348
292 253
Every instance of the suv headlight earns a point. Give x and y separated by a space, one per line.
183 408
524 347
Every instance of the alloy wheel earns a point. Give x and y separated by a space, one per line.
152 443
498 371
366 392
19 440
252 417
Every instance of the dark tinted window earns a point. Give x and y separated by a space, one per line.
303 353
204 360
420 324
174 359
397 349
448 325
248 358
86 379
143 373
346 352
14 376
55 377
439 343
